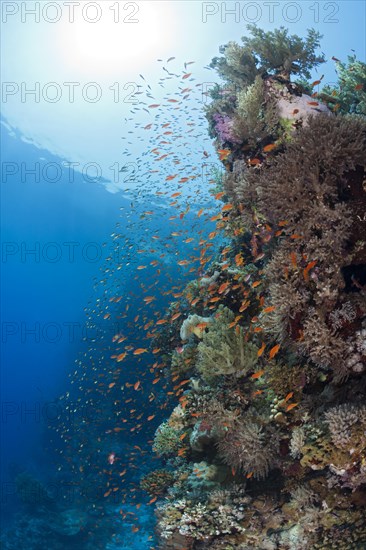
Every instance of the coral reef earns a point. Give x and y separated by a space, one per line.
268 443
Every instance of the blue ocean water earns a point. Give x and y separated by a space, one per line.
68 249
44 289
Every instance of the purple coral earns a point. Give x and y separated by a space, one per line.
224 126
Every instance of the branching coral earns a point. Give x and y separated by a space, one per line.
199 521
341 421
274 52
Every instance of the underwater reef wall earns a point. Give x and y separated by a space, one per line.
267 446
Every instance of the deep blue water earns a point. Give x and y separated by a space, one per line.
69 248
44 292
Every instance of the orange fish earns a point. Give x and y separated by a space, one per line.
138 351
293 259
239 260
256 283
313 103
111 385
289 395
269 147
274 351
151 417
227 207
161 321
137 385
259 257
261 349
269 309
182 451
254 162
219 195
307 268
121 356
223 287
292 406
244 306
257 374
248 476
358 86
223 153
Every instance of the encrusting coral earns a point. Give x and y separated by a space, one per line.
267 446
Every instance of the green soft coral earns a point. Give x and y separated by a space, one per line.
223 350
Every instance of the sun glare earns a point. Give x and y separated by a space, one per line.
116 41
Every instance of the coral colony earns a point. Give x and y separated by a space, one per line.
267 446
